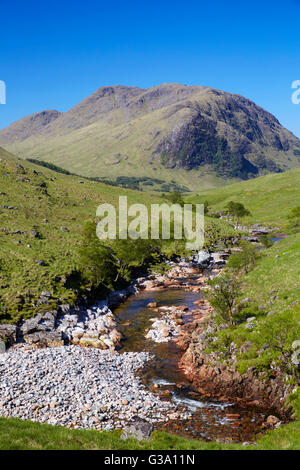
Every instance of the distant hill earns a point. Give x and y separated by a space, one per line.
194 135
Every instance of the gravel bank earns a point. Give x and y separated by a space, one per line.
78 388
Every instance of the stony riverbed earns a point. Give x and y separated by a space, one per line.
78 388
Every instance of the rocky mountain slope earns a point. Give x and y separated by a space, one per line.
186 133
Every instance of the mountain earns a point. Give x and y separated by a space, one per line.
193 135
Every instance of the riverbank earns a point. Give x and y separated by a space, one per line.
79 388
207 373
169 411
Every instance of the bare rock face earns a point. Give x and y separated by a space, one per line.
214 379
138 429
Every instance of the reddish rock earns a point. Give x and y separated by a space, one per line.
184 308
199 302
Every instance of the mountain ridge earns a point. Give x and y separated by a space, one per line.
179 131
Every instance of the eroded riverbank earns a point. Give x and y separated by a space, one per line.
210 419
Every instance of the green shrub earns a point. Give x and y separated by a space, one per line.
224 292
245 259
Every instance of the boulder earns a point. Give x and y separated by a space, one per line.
116 337
184 308
91 343
78 333
31 325
44 339
272 421
138 429
8 333
64 309
116 298
44 297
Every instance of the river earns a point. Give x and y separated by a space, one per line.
210 419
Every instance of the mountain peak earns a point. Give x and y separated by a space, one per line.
166 130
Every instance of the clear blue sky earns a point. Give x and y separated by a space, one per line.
54 54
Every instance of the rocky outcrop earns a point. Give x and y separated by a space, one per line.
8 334
137 429
167 326
90 327
213 378
95 326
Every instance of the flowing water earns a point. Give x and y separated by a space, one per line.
209 420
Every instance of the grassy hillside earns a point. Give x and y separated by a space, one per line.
195 135
270 295
42 214
35 204
278 272
270 198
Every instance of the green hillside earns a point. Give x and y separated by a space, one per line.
26 435
35 204
270 198
42 215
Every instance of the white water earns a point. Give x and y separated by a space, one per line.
193 405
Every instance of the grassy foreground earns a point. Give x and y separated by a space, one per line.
25 435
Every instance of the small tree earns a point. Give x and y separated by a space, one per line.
175 198
237 210
245 259
129 254
224 290
96 259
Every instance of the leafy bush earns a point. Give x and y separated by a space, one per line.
96 259
245 259
275 335
224 292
